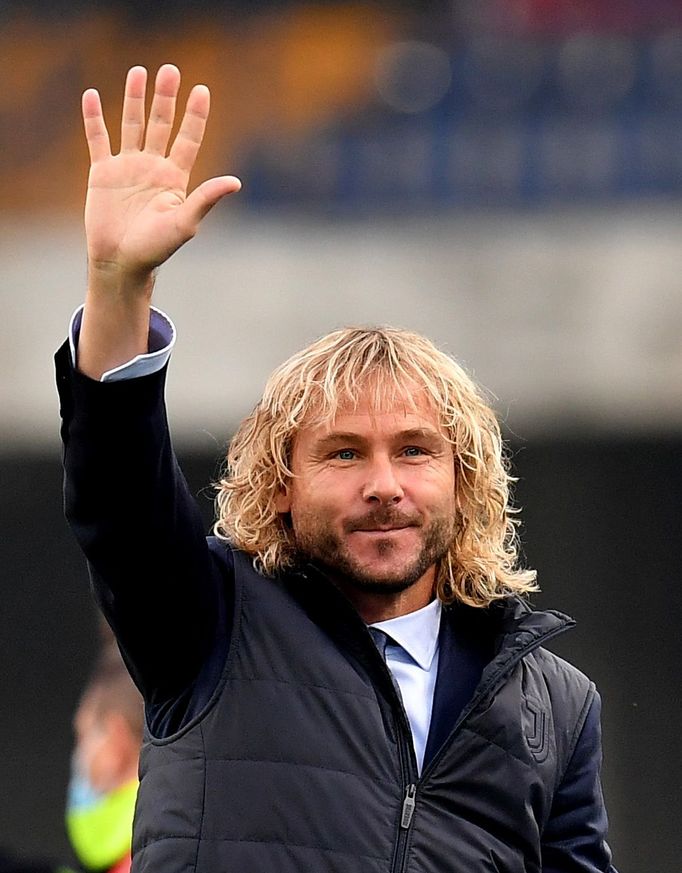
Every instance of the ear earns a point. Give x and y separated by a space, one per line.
283 500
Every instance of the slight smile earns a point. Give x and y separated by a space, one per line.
383 531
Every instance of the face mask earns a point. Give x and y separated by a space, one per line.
99 824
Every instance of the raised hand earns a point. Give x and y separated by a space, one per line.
137 210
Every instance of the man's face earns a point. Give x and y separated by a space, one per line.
373 496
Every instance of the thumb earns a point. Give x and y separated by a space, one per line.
203 199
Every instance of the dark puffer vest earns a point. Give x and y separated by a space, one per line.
303 760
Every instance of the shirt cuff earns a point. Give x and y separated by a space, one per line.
161 342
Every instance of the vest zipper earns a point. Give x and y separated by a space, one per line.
406 815
409 800
409 804
408 773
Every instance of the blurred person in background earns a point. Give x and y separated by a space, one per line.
347 676
108 726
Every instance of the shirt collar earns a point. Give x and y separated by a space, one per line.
417 632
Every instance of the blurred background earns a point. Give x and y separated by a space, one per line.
502 175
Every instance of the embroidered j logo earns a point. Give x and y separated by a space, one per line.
536 731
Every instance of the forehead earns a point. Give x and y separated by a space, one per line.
374 415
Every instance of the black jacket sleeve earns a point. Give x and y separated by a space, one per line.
574 839
140 529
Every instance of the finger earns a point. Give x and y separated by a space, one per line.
132 119
202 200
96 132
188 141
162 112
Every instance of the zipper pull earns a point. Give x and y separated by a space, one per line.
408 806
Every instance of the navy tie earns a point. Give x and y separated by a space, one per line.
381 640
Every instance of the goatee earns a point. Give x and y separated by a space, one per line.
328 551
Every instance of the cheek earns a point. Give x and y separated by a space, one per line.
319 510
326 491
435 485
448 484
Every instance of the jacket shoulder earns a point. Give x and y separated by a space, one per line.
562 676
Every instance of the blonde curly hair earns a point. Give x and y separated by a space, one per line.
390 366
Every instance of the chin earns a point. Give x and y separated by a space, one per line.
376 585
381 579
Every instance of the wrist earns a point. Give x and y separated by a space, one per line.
115 322
107 278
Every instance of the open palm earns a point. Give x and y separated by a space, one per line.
137 211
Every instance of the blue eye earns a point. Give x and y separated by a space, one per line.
345 455
413 451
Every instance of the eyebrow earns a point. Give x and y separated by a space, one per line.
420 433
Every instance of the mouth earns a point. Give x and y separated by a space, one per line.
383 523
383 529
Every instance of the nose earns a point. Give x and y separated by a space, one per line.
382 484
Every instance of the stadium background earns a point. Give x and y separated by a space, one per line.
503 176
